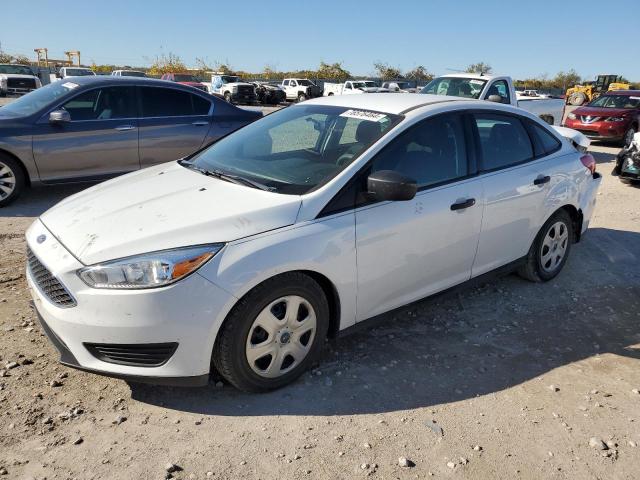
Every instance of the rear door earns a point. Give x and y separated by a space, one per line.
101 139
516 176
173 123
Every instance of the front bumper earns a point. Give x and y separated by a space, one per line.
188 313
599 130
243 97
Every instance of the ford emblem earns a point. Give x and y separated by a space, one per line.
41 238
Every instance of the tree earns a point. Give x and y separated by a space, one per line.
419 74
565 80
5 57
333 71
386 72
480 68
167 63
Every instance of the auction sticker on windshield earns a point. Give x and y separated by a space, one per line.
364 115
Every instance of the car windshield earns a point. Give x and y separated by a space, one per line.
132 73
37 99
403 85
360 85
454 86
78 72
16 69
305 83
230 79
370 84
616 101
184 78
298 148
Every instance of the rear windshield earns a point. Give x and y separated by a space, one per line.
616 101
184 78
455 86
78 72
131 73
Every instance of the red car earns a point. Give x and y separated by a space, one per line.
612 116
184 79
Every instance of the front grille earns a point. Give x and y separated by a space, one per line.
135 355
245 90
21 83
49 285
589 119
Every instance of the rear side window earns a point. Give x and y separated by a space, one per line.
167 102
547 143
200 105
503 141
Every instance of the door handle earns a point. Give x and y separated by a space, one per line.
542 180
124 128
461 205
200 124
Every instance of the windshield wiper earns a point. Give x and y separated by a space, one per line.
238 180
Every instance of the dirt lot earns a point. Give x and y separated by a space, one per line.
509 380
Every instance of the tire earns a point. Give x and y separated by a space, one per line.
301 97
330 94
12 180
628 136
577 99
241 332
541 263
227 97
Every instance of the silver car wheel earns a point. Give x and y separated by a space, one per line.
554 246
281 336
628 138
7 181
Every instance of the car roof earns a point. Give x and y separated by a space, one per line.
628 93
393 103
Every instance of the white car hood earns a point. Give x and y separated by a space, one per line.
162 207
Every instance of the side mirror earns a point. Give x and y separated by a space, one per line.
391 185
59 117
495 98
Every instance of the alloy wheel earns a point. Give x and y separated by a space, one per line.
7 181
281 336
554 246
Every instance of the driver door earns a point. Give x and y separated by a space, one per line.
100 141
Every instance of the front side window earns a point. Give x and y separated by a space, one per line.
455 86
295 149
102 104
503 141
167 102
616 101
431 152
500 88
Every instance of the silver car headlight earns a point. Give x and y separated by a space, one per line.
148 270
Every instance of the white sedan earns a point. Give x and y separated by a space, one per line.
245 256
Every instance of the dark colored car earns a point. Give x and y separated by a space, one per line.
185 79
269 93
92 128
613 116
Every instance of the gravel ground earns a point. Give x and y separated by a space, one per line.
508 380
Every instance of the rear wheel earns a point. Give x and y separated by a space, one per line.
577 99
273 334
550 249
12 180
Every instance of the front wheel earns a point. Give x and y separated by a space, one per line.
227 97
12 180
628 136
273 334
301 97
550 249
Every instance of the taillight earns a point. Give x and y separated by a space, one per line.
589 162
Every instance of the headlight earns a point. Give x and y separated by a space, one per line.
572 116
615 119
149 270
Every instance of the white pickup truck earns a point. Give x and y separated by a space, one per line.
498 89
351 87
17 79
300 89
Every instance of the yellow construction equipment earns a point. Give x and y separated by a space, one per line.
580 94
